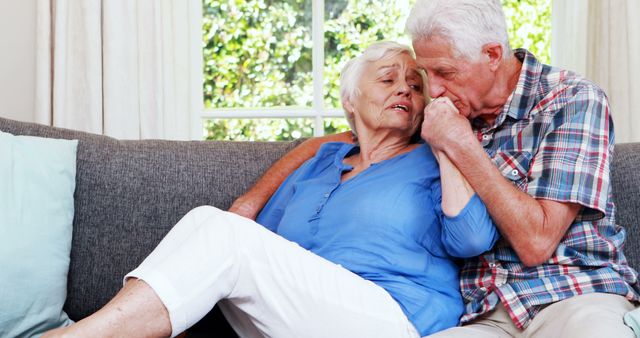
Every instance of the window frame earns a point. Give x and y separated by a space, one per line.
318 112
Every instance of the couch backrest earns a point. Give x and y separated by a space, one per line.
130 193
625 174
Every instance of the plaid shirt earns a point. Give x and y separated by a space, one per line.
553 140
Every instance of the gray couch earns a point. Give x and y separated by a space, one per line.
130 193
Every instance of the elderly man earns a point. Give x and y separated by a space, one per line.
535 142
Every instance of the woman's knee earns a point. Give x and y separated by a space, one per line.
198 220
203 212
219 222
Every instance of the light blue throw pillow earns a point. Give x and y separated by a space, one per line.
37 181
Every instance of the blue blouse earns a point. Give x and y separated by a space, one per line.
386 225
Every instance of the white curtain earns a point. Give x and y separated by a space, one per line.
129 69
600 39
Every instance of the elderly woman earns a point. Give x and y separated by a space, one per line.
358 242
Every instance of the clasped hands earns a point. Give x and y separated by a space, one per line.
443 124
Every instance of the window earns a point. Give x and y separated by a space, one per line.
271 67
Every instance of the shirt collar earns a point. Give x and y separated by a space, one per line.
345 150
523 98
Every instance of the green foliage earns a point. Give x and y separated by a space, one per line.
529 26
258 129
258 54
268 129
350 31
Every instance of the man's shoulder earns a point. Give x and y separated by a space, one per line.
545 90
567 93
554 79
547 79
576 84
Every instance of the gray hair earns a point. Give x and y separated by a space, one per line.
467 24
352 71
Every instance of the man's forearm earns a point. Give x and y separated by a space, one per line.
251 202
532 227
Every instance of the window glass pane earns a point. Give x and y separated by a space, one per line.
335 125
257 53
352 25
267 129
529 26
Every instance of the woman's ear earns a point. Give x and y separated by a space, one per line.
348 107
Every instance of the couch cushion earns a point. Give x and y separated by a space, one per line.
625 174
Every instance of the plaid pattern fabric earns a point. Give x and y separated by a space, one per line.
553 140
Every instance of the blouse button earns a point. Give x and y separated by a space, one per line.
514 172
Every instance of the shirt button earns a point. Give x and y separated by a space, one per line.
492 265
499 284
486 137
326 195
514 172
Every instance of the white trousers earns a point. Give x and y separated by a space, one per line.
267 285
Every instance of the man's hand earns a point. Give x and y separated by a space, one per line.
443 124
247 206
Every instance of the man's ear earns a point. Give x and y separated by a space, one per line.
493 52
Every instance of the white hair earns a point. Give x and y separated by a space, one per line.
353 70
466 24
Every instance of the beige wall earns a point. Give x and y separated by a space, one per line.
17 59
